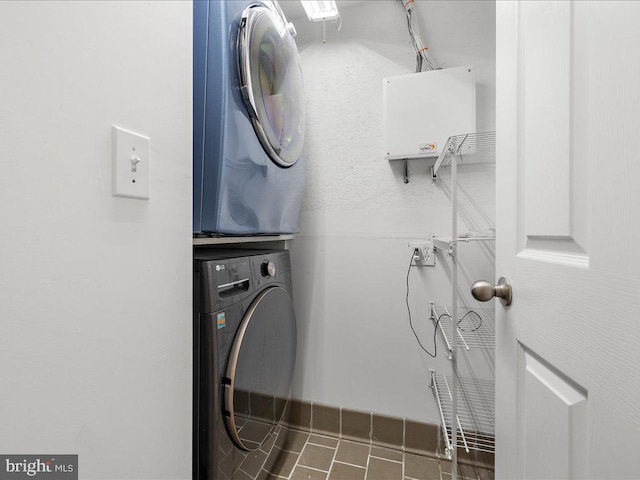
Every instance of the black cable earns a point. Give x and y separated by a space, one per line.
435 329
470 312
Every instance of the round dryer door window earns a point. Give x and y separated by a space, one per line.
271 81
260 369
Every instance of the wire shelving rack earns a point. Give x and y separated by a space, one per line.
475 416
466 405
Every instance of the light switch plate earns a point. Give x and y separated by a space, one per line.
130 164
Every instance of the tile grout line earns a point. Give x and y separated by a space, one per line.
335 453
341 442
404 441
299 456
275 440
366 469
350 464
297 464
293 469
386 459
293 451
319 445
313 468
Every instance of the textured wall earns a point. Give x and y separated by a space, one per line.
351 257
95 291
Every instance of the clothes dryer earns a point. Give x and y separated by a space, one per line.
248 120
244 356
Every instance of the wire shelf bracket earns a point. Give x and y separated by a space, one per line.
469 149
446 244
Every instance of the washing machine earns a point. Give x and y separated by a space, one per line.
244 356
248 120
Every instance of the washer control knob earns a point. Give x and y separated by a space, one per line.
268 269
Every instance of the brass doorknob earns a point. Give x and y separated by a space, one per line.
483 291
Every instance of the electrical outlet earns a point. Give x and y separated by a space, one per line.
424 253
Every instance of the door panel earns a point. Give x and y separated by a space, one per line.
553 421
546 114
551 164
567 228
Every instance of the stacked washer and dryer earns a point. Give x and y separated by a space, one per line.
248 180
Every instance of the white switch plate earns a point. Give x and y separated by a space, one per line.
130 164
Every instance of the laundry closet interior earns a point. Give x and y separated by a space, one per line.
254 240
344 204
227 251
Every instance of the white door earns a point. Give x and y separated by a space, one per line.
568 178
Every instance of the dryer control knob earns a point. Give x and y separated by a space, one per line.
268 269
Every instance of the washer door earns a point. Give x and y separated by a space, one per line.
260 369
271 83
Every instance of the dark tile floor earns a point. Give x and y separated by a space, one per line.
298 455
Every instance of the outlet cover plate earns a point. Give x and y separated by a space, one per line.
426 253
130 164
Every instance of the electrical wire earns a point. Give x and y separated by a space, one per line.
435 329
471 313
422 57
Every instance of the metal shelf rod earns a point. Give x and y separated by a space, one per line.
462 338
475 445
458 330
434 317
468 417
464 440
434 383
472 425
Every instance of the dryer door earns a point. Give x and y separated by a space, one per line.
271 83
260 369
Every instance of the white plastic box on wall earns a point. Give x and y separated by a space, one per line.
422 110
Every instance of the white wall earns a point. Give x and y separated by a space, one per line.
95 291
350 260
